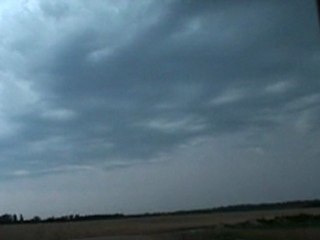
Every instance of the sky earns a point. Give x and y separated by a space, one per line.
146 105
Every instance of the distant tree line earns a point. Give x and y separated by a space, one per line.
17 219
242 208
11 218
255 207
78 217
14 219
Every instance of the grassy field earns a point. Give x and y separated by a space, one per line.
194 226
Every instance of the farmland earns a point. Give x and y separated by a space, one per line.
224 225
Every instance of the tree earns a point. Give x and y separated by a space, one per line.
6 218
36 219
21 219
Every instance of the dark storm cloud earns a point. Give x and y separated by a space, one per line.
135 82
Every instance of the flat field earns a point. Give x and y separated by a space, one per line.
191 226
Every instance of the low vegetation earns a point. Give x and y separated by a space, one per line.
264 224
14 219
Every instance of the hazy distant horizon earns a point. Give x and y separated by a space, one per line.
286 205
149 106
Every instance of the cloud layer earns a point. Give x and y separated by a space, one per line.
91 85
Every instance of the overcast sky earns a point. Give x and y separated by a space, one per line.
135 106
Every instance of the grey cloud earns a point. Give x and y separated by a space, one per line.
121 90
54 9
115 86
